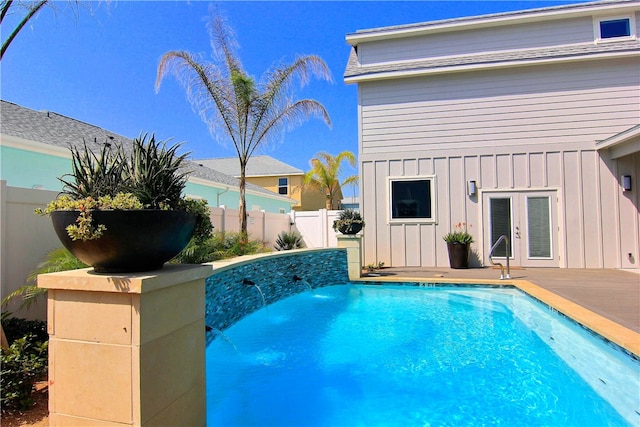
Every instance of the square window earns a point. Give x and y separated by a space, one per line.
412 199
615 28
283 186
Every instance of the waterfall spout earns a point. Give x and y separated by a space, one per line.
218 332
248 282
297 278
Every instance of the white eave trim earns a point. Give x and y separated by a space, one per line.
384 75
281 175
34 146
622 144
516 17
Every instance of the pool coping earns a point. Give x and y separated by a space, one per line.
625 338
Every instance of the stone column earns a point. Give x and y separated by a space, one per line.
128 349
353 244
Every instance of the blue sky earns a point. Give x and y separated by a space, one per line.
100 66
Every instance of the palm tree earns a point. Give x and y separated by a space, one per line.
28 9
324 175
31 10
228 99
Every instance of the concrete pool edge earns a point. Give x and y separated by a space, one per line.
608 329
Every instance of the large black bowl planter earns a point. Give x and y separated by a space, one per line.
458 255
135 240
353 228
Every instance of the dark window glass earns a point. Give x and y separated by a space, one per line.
411 199
283 185
500 224
615 28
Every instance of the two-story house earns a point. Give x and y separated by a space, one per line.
523 124
274 175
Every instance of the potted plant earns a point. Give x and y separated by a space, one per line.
458 245
348 222
122 212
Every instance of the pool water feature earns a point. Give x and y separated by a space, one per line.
352 355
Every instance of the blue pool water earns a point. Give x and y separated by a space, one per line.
351 355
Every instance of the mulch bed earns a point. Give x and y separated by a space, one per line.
37 415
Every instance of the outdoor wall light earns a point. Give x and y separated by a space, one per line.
472 188
626 182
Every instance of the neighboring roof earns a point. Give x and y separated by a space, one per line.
61 131
257 166
356 72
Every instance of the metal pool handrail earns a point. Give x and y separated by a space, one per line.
506 240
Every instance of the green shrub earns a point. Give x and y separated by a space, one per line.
219 246
15 328
23 363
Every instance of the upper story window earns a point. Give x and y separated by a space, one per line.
283 186
412 199
614 28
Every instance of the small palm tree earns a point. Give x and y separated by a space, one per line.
228 99
324 175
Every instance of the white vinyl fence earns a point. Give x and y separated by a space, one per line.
27 238
316 227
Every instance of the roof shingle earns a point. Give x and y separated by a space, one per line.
55 129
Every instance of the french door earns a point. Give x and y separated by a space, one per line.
529 220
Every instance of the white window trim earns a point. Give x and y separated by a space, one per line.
434 204
598 20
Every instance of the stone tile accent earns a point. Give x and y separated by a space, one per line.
230 294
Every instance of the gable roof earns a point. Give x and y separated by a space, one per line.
492 20
356 72
61 131
257 166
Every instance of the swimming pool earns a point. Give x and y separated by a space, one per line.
354 355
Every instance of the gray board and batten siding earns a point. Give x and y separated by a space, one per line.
521 129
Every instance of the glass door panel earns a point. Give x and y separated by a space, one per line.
528 219
500 220
539 227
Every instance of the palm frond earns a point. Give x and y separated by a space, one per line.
56 260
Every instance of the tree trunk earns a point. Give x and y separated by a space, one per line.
329 203
244 236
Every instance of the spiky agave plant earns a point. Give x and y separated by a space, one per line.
288 240
152 177
155 174
95 175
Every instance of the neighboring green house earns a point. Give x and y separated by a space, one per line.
34 152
